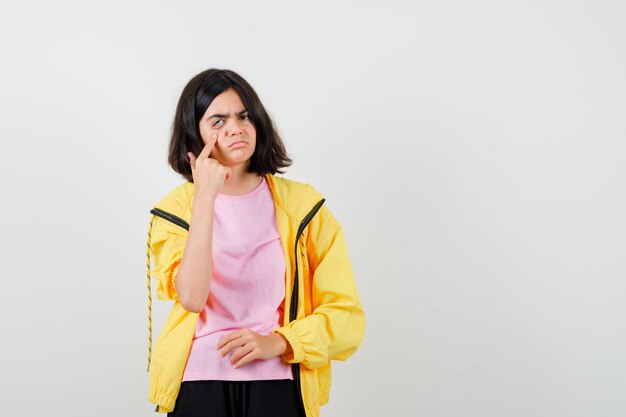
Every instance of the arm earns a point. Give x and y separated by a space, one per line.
335 328
193 278
179 257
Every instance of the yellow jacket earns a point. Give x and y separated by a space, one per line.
325 321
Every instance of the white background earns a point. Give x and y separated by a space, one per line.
474 152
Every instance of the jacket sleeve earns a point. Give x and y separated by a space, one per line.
335 328
167 245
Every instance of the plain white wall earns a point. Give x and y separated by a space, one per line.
474 152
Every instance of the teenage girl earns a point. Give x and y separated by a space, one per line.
264 295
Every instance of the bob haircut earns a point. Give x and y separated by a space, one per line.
269 156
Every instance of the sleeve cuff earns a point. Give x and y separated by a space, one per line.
296 345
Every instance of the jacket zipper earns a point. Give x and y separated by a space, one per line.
293 309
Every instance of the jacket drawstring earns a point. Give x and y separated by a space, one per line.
149 294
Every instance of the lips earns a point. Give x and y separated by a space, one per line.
237 142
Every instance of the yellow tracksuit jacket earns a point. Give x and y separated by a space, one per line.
325 321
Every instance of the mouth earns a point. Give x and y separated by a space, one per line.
237 143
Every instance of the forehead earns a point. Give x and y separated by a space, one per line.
227 101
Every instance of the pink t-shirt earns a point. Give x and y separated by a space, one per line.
247 287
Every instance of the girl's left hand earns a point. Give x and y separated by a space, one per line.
250 346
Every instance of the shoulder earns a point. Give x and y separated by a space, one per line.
292 186
177 200
301 197
295 197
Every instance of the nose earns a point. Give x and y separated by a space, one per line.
233 126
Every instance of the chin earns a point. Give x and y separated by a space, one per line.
231 163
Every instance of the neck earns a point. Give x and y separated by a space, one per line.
240 182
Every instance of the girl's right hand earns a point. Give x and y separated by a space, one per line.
208 174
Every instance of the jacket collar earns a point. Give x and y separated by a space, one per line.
293 197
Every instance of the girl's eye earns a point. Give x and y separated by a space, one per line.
243 116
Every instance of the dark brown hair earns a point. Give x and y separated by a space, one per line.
269 155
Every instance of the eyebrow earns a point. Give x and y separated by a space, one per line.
224 115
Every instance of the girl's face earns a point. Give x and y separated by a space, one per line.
236 136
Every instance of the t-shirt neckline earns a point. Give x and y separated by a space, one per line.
262 185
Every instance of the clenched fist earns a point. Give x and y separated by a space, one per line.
208 174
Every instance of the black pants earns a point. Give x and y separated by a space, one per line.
275 398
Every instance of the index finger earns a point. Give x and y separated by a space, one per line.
228 338
208 147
